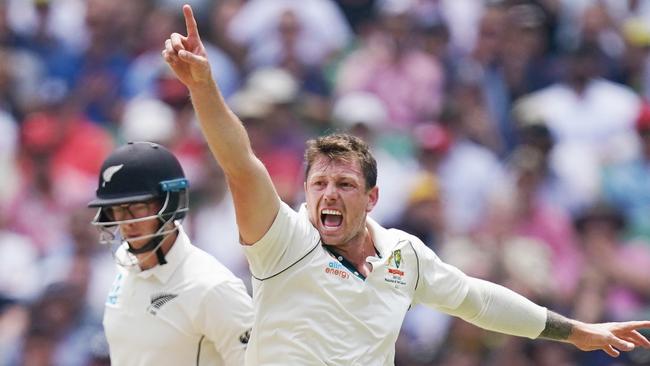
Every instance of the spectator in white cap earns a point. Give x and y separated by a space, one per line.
148 119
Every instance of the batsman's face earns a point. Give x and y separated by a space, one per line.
337 199
136 229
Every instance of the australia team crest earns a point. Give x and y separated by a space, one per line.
394 274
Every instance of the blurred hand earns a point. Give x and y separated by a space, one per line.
609 337
186 55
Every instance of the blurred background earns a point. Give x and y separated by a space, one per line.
513 137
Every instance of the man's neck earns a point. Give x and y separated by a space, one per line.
357 250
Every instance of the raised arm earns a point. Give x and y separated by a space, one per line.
255 198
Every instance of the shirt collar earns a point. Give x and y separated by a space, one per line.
383 238
174 257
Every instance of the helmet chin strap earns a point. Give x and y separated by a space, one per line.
151 245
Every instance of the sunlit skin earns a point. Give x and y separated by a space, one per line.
137 229
340 185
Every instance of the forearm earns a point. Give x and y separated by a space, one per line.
253 192
224 132
496 308
558 327
609 337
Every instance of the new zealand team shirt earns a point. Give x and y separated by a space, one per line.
190 311
313 308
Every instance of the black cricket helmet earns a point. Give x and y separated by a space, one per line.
140 172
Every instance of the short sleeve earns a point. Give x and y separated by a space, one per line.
440 285
226 318
290 238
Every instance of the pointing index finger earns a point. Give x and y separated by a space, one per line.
190 22
637 325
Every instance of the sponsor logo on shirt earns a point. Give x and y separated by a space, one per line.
395 275
337 269
113 297
158 300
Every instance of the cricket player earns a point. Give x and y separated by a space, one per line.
331 286
171 303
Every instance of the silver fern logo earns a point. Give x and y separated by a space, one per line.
108 173
158 300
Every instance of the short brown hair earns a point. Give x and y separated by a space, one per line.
343 147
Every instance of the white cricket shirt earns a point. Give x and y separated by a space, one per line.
190 311
313 308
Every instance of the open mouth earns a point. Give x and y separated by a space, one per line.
330 218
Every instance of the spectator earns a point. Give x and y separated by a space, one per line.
623 183
613 267
467 173
284 33
391 65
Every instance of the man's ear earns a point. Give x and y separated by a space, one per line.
373 197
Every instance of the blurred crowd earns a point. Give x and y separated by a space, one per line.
512 136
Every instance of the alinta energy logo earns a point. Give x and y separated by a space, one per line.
337 269
158 300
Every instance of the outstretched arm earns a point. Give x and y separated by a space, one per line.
255 198
494 307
